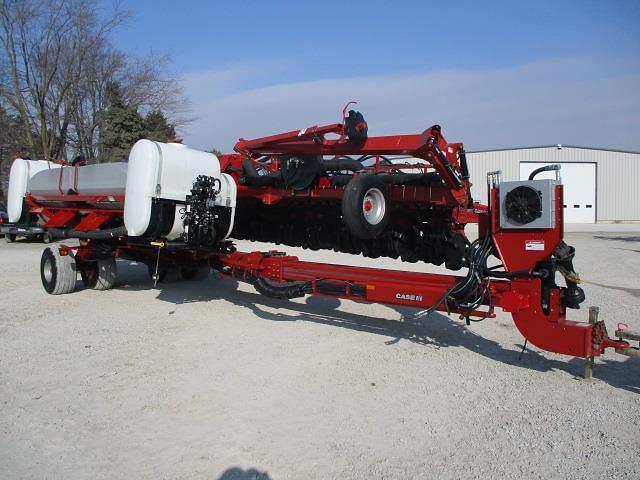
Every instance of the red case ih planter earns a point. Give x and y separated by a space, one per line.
305 189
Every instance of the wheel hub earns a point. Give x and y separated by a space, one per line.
373 206
47 270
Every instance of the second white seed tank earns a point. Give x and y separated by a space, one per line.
164 171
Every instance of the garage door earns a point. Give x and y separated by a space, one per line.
579 181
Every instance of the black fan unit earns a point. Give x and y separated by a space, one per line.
523 204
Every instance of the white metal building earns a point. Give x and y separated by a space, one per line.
599 185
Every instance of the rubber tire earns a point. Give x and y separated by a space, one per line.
194 273
10 237
99 275
61 270
352 201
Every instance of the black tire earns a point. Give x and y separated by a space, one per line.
365 206
195 273
99 275
371 249
10 237
58 273
88 274
46 238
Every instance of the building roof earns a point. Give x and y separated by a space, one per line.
562 145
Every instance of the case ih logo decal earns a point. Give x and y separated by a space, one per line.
408 296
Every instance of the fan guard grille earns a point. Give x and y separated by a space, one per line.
523 204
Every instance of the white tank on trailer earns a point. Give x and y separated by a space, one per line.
97 179
21 172
164 171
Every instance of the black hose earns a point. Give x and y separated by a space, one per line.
340 180
515 274
393 178
464 166
341 164
447 165
257 181
249 168
282 290
253 179
546 168
460 295
91 235
411 178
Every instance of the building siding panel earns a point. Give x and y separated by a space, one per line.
617 175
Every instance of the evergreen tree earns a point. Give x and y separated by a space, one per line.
158 128
121 126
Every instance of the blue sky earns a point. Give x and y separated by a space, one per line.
494 74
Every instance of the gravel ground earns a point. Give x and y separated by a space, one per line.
211 380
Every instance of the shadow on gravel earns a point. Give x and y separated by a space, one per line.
436 329
237 473
631 291
620 238
135 277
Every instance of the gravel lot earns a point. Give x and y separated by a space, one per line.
211 380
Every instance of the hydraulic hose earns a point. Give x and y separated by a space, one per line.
394 178
411 178
546 168
342 164
252 178
91 235
283 290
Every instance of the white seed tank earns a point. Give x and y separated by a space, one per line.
161 172
21 172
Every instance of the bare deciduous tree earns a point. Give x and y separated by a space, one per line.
46 43
142 84
55 64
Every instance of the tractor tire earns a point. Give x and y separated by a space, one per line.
57 272
365 206
99 275
194 273
10 237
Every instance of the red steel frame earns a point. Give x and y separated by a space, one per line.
76 211
521 297
431 146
